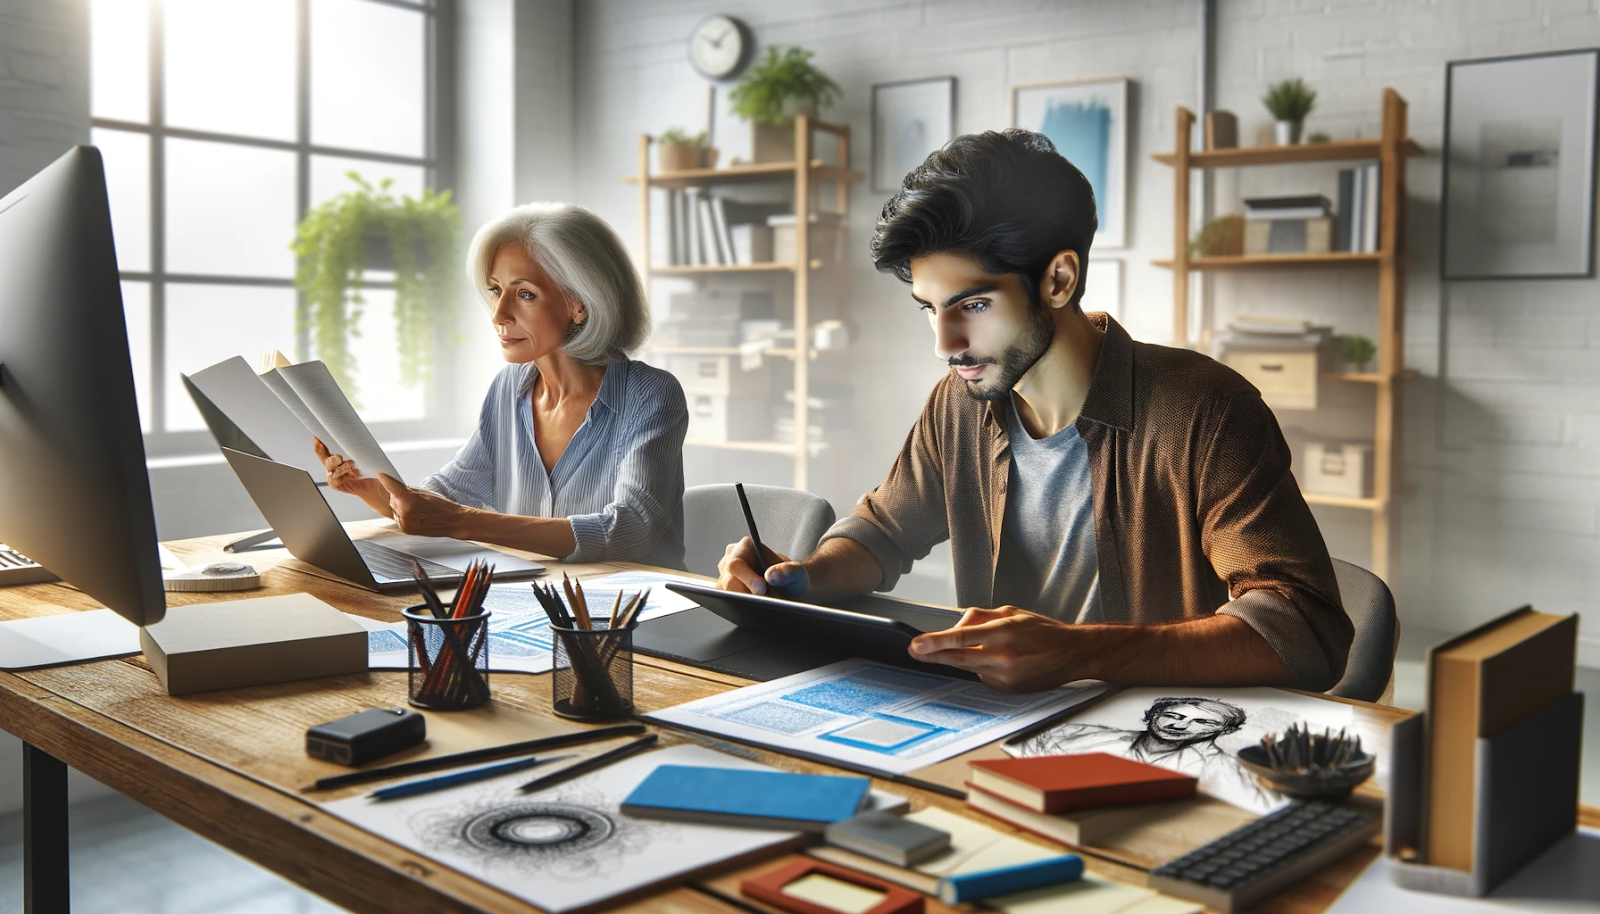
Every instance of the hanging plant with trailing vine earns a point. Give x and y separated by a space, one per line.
333 245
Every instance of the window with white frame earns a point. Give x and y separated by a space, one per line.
221 124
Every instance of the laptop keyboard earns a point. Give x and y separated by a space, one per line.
393 565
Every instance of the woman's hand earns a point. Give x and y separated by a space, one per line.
420 512
344 476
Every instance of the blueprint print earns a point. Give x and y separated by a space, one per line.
871 716
1196 732
566 847
519 631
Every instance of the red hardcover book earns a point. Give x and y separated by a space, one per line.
1062 783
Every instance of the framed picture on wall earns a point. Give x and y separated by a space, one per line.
1088 122
1103 291
909 121
1519 167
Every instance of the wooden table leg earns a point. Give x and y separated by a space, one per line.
45 871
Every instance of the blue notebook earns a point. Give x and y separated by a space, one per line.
754 799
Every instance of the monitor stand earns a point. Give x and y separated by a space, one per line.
66 638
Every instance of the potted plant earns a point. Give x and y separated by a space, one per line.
1356 351
770 95
679 150
1289 101
367 228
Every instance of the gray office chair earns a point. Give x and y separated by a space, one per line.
1370 605
789 520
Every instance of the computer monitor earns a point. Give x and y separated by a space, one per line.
74 490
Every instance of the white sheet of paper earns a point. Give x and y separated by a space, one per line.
73 637
1566 878
870 715
1198 739
351 438
249 402
519 631
566 847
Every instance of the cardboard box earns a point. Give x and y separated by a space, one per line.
210 646
1287 380
739 417
1337 469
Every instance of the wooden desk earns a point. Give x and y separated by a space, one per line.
228 765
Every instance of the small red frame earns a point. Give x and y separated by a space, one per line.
768 887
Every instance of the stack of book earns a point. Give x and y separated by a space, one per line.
1359 210
1248 333
704 229
1288 225
1038 794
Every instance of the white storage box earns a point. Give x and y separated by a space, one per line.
717 375
1344 470
739 417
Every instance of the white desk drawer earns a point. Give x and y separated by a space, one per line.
1287 380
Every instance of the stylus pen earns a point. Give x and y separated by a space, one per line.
475 755
755 535
429 785
589 764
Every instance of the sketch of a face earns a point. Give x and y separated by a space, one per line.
1185 721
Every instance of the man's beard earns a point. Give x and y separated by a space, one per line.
1015 361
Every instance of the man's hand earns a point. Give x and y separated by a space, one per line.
1010 649
737 572
419 512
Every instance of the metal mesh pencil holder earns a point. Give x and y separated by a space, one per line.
448 660
593 673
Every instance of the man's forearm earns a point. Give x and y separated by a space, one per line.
841 567
550 536
1219 650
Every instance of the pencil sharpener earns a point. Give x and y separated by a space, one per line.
366 735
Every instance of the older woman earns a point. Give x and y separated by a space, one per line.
578 451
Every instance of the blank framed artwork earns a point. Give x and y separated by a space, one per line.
1519 167
909 121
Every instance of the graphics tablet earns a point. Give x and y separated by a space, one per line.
807 632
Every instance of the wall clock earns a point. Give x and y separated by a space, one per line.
720 46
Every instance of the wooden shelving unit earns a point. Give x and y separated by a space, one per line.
807 182
1391 150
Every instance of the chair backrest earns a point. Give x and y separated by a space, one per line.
1370 606
791 521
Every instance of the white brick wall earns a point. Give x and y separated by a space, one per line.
44 84
1502 431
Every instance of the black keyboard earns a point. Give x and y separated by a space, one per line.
393 565
1249 864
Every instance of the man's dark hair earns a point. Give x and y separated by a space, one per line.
1233 717
1005 199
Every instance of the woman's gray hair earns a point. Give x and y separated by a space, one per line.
587 260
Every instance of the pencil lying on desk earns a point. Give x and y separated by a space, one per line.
475 755
589 764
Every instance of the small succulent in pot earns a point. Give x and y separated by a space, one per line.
1289 102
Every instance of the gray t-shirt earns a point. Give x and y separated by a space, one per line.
1050 520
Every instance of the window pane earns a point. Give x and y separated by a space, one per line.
230 209
206 324
374 348
127 158
230 66
368 66
328 177
119 60
136 313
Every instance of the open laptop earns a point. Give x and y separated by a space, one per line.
288 498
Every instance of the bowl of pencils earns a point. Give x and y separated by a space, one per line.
592 666
1299 763
448 643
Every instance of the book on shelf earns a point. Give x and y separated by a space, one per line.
1371 211
1341 216
275 414
719 227
710 245
1063 783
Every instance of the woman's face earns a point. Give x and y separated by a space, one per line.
531 314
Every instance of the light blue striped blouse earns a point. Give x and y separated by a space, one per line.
619 482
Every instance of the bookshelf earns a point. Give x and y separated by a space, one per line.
1390 149
807 184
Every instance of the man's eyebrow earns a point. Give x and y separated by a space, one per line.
967 293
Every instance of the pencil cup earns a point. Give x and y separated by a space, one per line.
449 660
593 673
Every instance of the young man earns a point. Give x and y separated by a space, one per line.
1116 510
